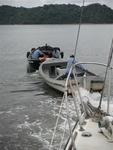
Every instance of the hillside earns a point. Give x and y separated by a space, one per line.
56 14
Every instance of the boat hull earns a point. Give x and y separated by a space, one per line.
51 71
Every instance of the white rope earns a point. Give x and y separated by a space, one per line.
74 99
77 86
61 143
65 94
69 124
60 110
80 115
51 143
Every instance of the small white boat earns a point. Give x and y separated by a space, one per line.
52 71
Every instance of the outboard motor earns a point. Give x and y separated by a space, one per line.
27 55
62 54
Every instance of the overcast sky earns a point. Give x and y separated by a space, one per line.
35 3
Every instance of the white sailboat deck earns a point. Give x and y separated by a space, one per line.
95 142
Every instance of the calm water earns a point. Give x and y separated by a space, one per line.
28 108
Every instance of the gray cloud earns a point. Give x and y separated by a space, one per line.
34 3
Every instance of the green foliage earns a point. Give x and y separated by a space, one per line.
56 14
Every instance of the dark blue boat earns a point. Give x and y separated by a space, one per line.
48 51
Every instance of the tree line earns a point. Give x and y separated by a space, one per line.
56 14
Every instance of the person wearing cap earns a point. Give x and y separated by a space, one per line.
36 54
70 62
56 52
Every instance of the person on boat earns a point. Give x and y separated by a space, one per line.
42 58
29 54
56 52
33 49
70 62
50 55
79 67
36 54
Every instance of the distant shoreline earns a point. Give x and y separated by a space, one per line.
56 14
57 24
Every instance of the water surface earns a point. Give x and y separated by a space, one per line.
28 107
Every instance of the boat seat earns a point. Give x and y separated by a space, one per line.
60 71
61 74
